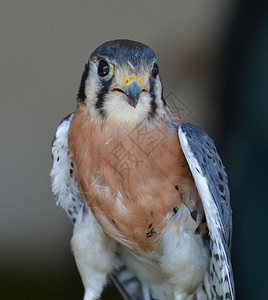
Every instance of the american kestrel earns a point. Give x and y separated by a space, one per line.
147 192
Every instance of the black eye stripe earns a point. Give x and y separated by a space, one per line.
81 93
153 104
101 96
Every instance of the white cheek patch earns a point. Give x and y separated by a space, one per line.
114 107
119 111
92 85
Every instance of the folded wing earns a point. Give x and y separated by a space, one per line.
211 182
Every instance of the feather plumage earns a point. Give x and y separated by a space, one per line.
150 204
211 182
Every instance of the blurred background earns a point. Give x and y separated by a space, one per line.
213 64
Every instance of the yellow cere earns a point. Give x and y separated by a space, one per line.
128 80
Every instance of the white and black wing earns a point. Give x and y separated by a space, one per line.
63 184
67 195
212 185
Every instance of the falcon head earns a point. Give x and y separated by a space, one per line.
121 82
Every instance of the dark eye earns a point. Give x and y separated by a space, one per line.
103 68
155 70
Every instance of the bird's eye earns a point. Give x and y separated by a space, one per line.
155 70
103 68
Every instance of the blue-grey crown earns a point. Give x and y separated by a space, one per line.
125 50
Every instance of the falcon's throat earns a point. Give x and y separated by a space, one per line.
131 91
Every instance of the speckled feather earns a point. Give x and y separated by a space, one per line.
63 183
212 185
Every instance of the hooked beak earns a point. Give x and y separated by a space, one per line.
131 92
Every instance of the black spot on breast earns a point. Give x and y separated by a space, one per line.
73 199
73 220
177 187
151 233
71 172
150 225
175 209
116 226
72 164
151 213
70 212
58 158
